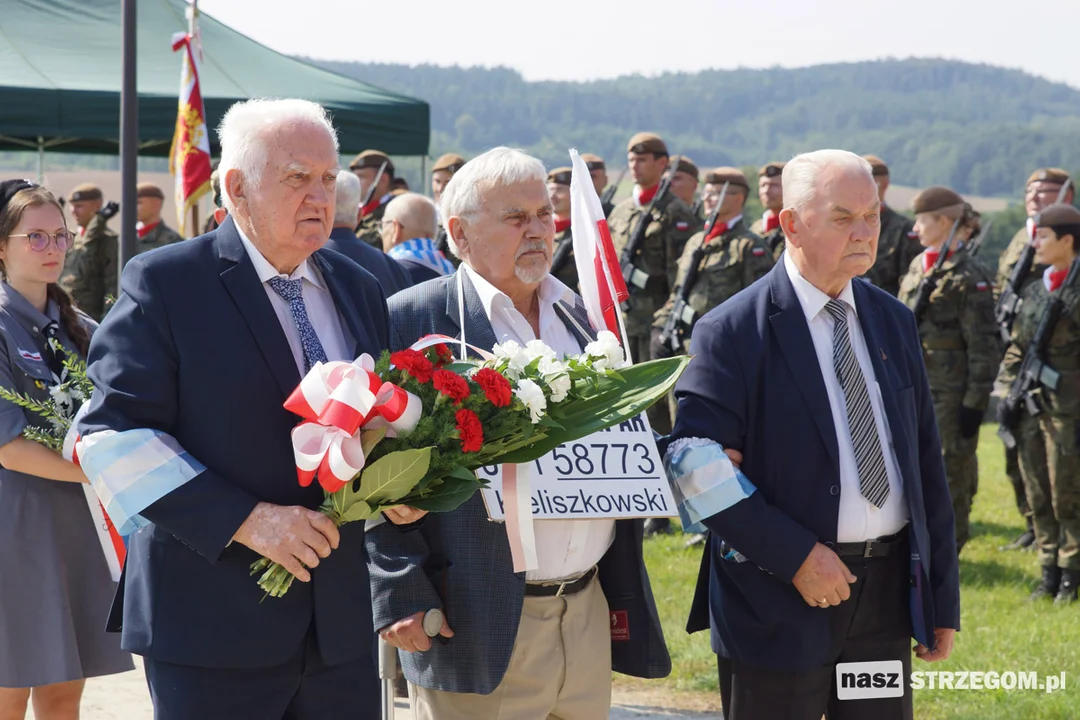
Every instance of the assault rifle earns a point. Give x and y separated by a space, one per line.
977 243
929 282
1034 371
1008 303
562 253
371 190
610 190
635 278
680 310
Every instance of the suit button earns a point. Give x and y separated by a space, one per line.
834 490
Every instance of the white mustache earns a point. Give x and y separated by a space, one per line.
537 246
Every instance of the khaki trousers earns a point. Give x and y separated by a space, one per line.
560 668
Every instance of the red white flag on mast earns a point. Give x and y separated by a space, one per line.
189 158
599 275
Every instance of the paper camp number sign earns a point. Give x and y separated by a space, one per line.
615 473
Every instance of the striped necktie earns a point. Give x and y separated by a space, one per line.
873 479
291 292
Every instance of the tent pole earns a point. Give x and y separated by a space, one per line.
424 177
129 137
41 160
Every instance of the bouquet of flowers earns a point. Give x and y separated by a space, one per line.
413 428
57 412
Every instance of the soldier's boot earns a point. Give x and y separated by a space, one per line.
1070 581
658 526
1026 541
1051 580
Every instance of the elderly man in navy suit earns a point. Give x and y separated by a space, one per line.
839 548
388 271
513 646
206 342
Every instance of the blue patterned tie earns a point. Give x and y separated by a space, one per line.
290 292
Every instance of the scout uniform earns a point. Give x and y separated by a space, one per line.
595 162
89 273
451 162
767 227
898 243
1049 443
563 266
371 214
961 350
154 235
656 260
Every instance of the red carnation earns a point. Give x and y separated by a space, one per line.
496 387
451 385
414 363
470 430
443 356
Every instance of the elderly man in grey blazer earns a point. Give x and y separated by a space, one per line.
532 645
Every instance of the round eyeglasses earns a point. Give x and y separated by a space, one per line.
39 240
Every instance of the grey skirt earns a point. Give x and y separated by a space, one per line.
55 587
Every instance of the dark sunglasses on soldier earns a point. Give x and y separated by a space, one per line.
39 240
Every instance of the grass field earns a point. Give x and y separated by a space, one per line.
1000 630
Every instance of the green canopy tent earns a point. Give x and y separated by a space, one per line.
60 81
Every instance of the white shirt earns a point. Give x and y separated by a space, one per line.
859 519
317 299
564 548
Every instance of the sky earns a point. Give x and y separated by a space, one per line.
592 39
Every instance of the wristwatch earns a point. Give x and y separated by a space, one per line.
433 622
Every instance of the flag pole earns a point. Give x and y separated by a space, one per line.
129 136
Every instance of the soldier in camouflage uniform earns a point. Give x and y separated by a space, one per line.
151 229
771 194
90 267
1050 441
563 266
684 185
598 173
960 341
898 243
1043 187
366 166
656 259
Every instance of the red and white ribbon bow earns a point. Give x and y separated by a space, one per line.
337 400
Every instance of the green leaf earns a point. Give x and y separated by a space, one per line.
546 421
359 510
446 497
393 476
462 473
370 438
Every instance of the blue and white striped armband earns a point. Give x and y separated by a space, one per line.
703 480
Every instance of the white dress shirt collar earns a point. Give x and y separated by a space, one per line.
551 291
265 270
811 299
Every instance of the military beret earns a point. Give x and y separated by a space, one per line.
560 176
877 166
1059 214
149 190
449 161
1049 174
686 165
372 159
644 142
9 188
729 175
86 191
936 199
593 162
773 169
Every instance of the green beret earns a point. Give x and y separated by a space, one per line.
149 190
877 166
86 191
560 176
644 142
1059 214
1048 174
449 161
729 175
593 162
935 199
372 159
771 170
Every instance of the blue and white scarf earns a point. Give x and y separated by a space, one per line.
423 251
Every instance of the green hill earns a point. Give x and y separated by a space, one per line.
977 128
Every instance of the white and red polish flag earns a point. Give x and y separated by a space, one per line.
189 158
599 274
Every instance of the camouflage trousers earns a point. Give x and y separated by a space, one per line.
961 465
1050 463
1016 479
660 415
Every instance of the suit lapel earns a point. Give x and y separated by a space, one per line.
343 302
478 329
247 292
576 320
793 336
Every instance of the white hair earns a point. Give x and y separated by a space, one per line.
347 192
463 196
801 173
242 129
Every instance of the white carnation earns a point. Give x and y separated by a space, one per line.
532 395
606 351
537 349
515 354
555 377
